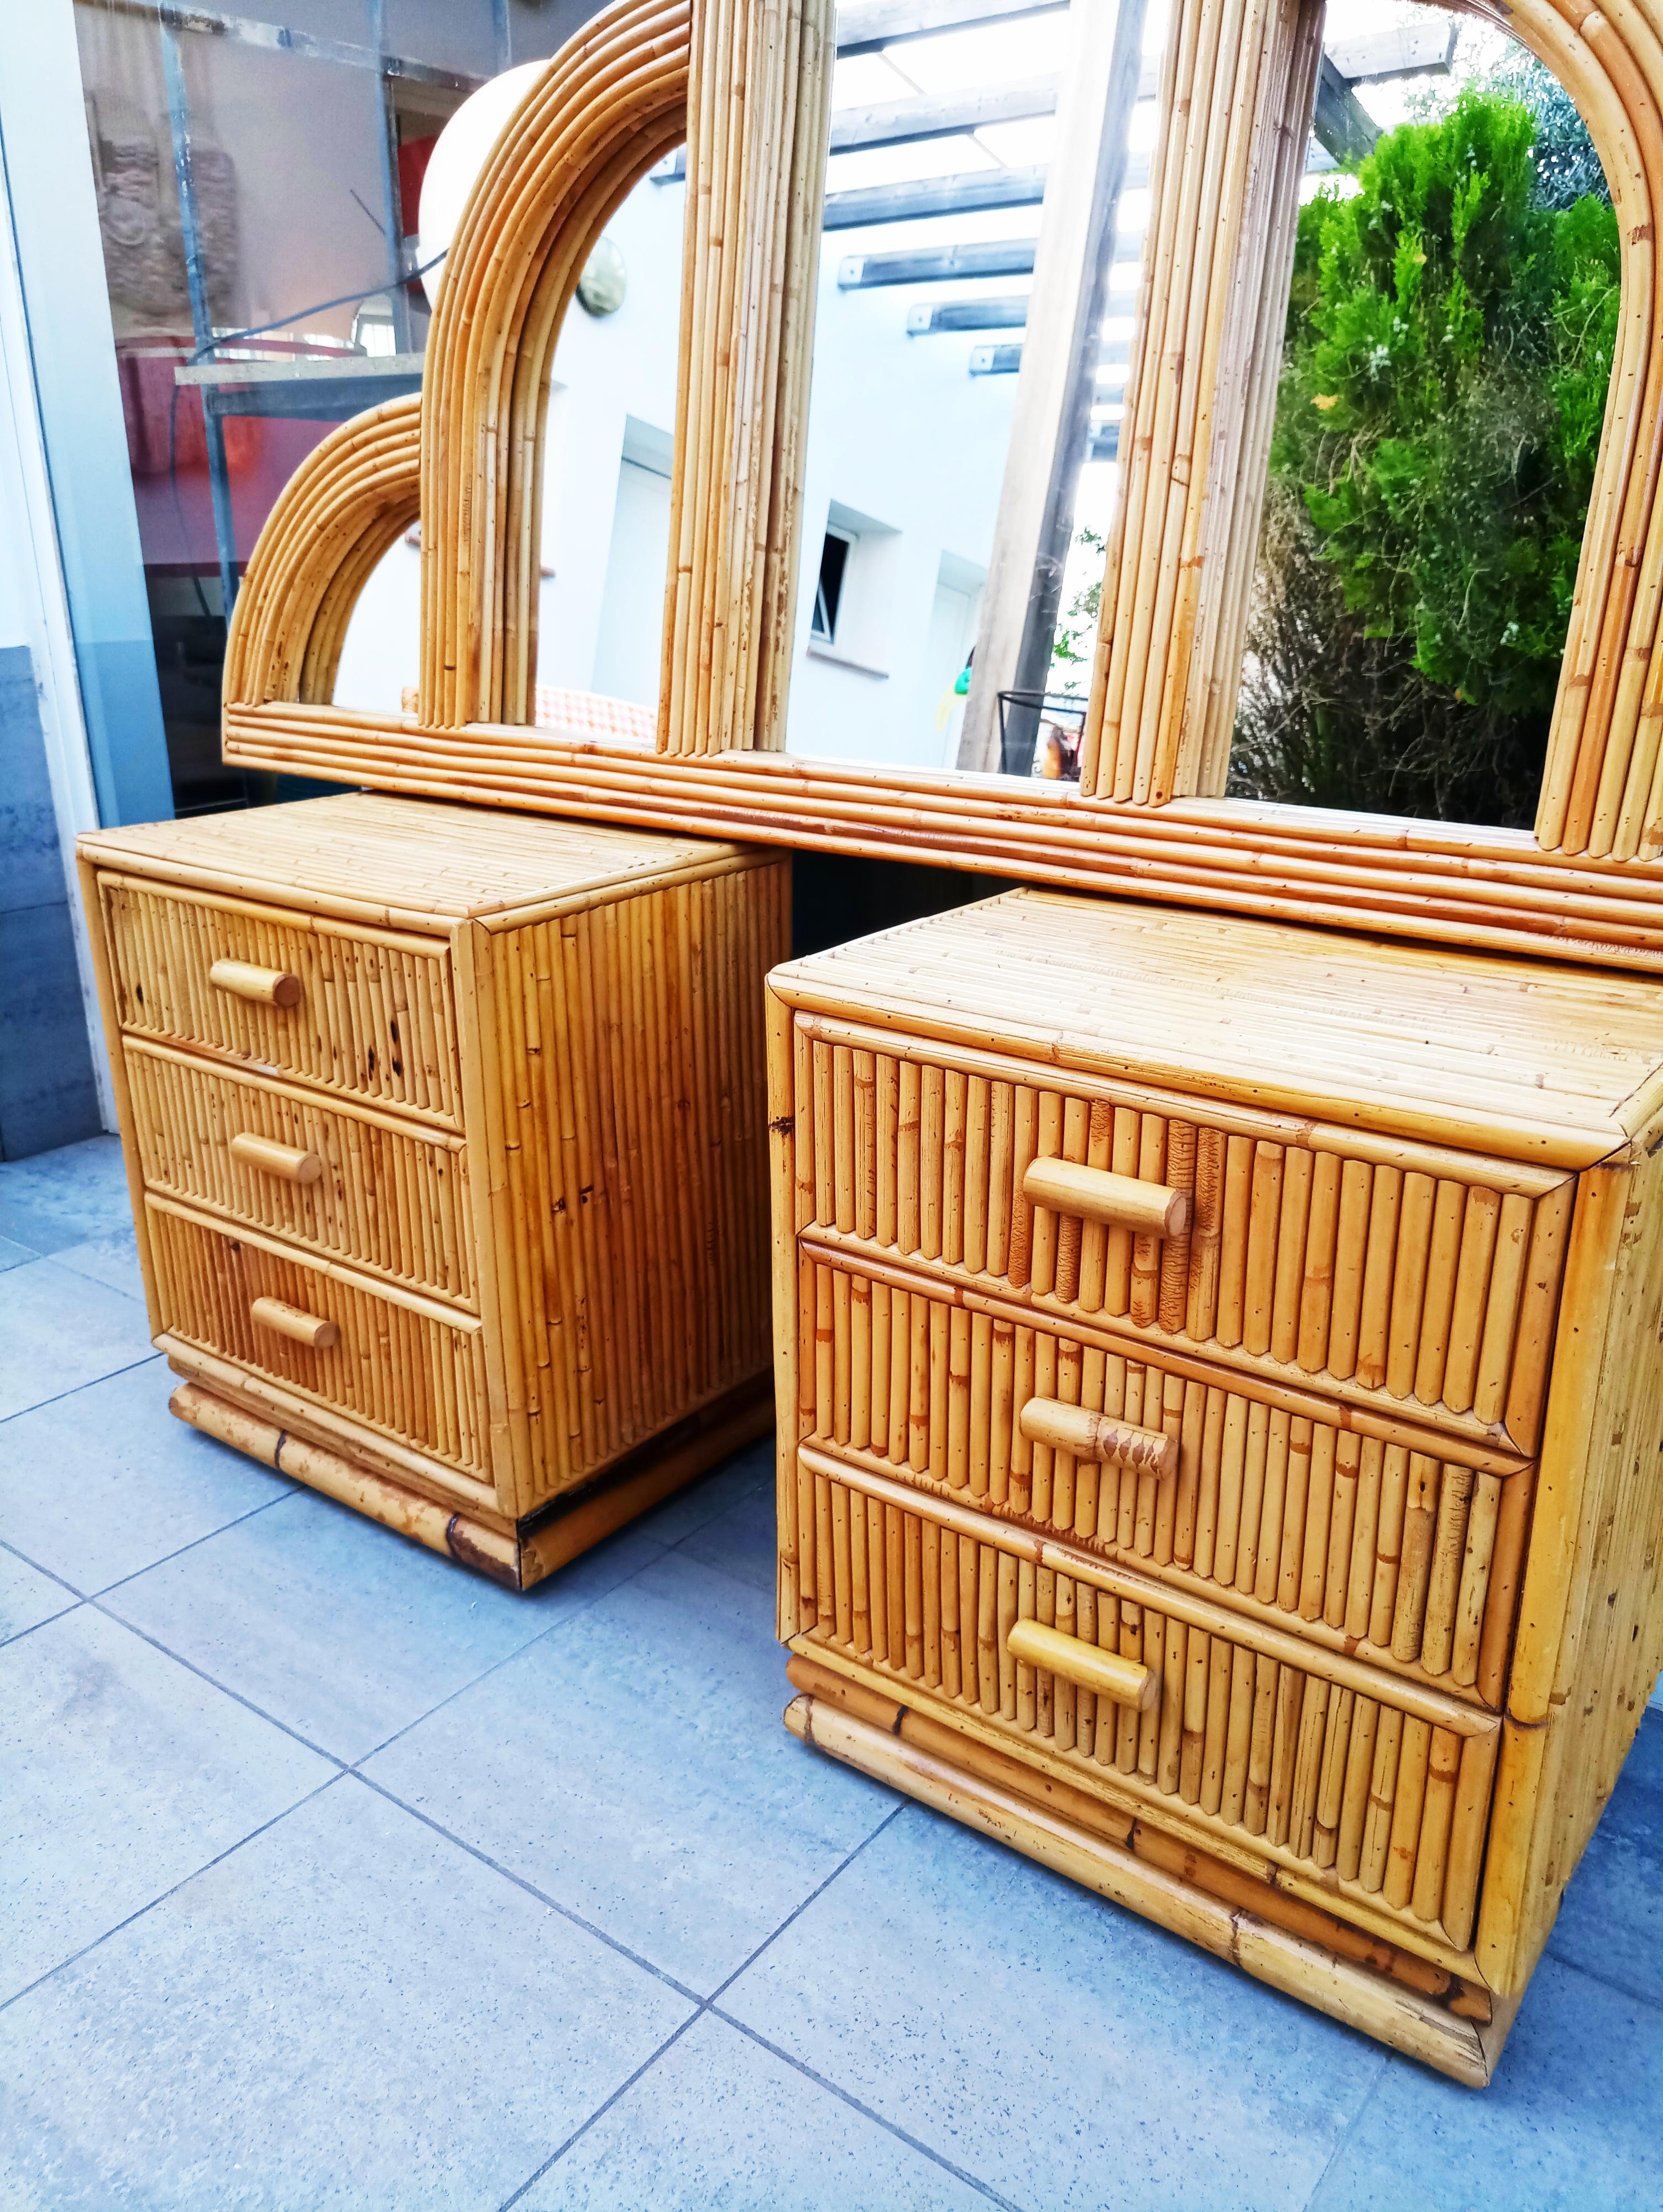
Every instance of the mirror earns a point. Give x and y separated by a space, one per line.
608 450
1414 559
609 445
1446 356
986 193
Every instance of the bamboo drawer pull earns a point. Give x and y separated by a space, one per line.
1091 1436
1148 1209
271 1159
1126 1681
267 987
291 1322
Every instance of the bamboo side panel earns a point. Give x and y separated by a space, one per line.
631 1074
1383 1806
1432 1285
1370 1545
1591 1642
758 124
405 1370
374 1019
392 1199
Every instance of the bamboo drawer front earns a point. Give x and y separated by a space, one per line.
408 1368
1386 1271
1219 1373
362 1011
1370 1543
1369 1793
387 1196
445 1133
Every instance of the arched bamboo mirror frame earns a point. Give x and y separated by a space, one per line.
747 81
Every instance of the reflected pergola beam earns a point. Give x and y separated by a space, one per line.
1423 49
873 24
924 264
974 192
1341 124
940 115
1114 355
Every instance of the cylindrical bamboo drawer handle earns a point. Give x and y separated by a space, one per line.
1095 1437
301 1328
1126 1681
271 1159
1148 1209
267 987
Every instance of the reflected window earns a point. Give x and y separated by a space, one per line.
828 590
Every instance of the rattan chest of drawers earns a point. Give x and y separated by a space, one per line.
1220 1376
444 1129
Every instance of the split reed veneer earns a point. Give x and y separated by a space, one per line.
445 1134
1220 1402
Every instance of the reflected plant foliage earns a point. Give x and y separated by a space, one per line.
1448 350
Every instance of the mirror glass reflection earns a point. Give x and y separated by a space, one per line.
952 533
608 448
1447 353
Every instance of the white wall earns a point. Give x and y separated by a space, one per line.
903 437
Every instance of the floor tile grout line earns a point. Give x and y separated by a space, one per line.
1592 1974
345 1765
340 1764
265 1505
62 1612
708 2005
824 2081
726 1573
51 1573
531 1888
798 1911
1382 2073
602 2108
173 1890
507 1659
91 1382
57 1260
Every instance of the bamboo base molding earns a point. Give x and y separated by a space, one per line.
527 1555
1453 2027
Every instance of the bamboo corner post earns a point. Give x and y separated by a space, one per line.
446 1137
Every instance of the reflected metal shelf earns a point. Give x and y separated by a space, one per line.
307 389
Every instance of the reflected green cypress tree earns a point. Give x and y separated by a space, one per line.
1448 347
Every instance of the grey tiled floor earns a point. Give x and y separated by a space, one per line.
332 1876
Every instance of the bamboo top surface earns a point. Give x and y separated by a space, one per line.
1557 1064
401 860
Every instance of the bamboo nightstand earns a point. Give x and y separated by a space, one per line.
1220 1396
444 1130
